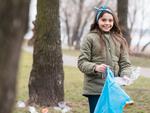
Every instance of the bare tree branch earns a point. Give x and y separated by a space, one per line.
145 46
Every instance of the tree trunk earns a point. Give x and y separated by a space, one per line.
13 25
47 77
122 9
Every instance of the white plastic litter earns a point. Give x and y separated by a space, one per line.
62 107
57 108
21 104
66 109
129 80
32 109
135 73
45 110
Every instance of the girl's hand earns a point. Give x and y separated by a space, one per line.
100 68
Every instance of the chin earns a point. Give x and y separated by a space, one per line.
106 31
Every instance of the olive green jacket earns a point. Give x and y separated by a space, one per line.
93 52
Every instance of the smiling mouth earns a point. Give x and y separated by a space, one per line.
107 27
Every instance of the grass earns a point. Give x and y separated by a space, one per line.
139 91
73 83
140 61
71 52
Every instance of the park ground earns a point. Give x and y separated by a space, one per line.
139 91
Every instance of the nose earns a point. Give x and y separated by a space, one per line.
107 22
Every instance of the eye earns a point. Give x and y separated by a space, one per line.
104 20
110 20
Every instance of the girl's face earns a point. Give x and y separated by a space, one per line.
106 22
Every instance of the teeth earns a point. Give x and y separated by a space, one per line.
106 27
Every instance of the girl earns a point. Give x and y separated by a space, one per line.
103 46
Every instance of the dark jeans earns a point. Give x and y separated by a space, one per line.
92 102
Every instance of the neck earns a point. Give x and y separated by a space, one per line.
106 32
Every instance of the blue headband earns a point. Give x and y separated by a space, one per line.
100 10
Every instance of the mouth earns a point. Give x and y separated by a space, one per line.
107 27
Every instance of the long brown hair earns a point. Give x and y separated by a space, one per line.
115 31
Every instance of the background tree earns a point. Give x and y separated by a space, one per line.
132 14
122 11
138 24
143 30
77 19
145 46
47 77
13 25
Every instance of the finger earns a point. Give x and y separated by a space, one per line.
103 70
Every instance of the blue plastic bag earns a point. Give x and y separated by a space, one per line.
113 98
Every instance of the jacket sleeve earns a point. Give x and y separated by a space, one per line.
84 60
124 62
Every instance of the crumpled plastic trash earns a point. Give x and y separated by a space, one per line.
21 104
66 109
62 107
32 109
128 80
135 73
131 102
45 110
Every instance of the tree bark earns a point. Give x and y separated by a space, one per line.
47 77
122 9
13 25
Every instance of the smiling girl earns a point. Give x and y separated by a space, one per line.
103 46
